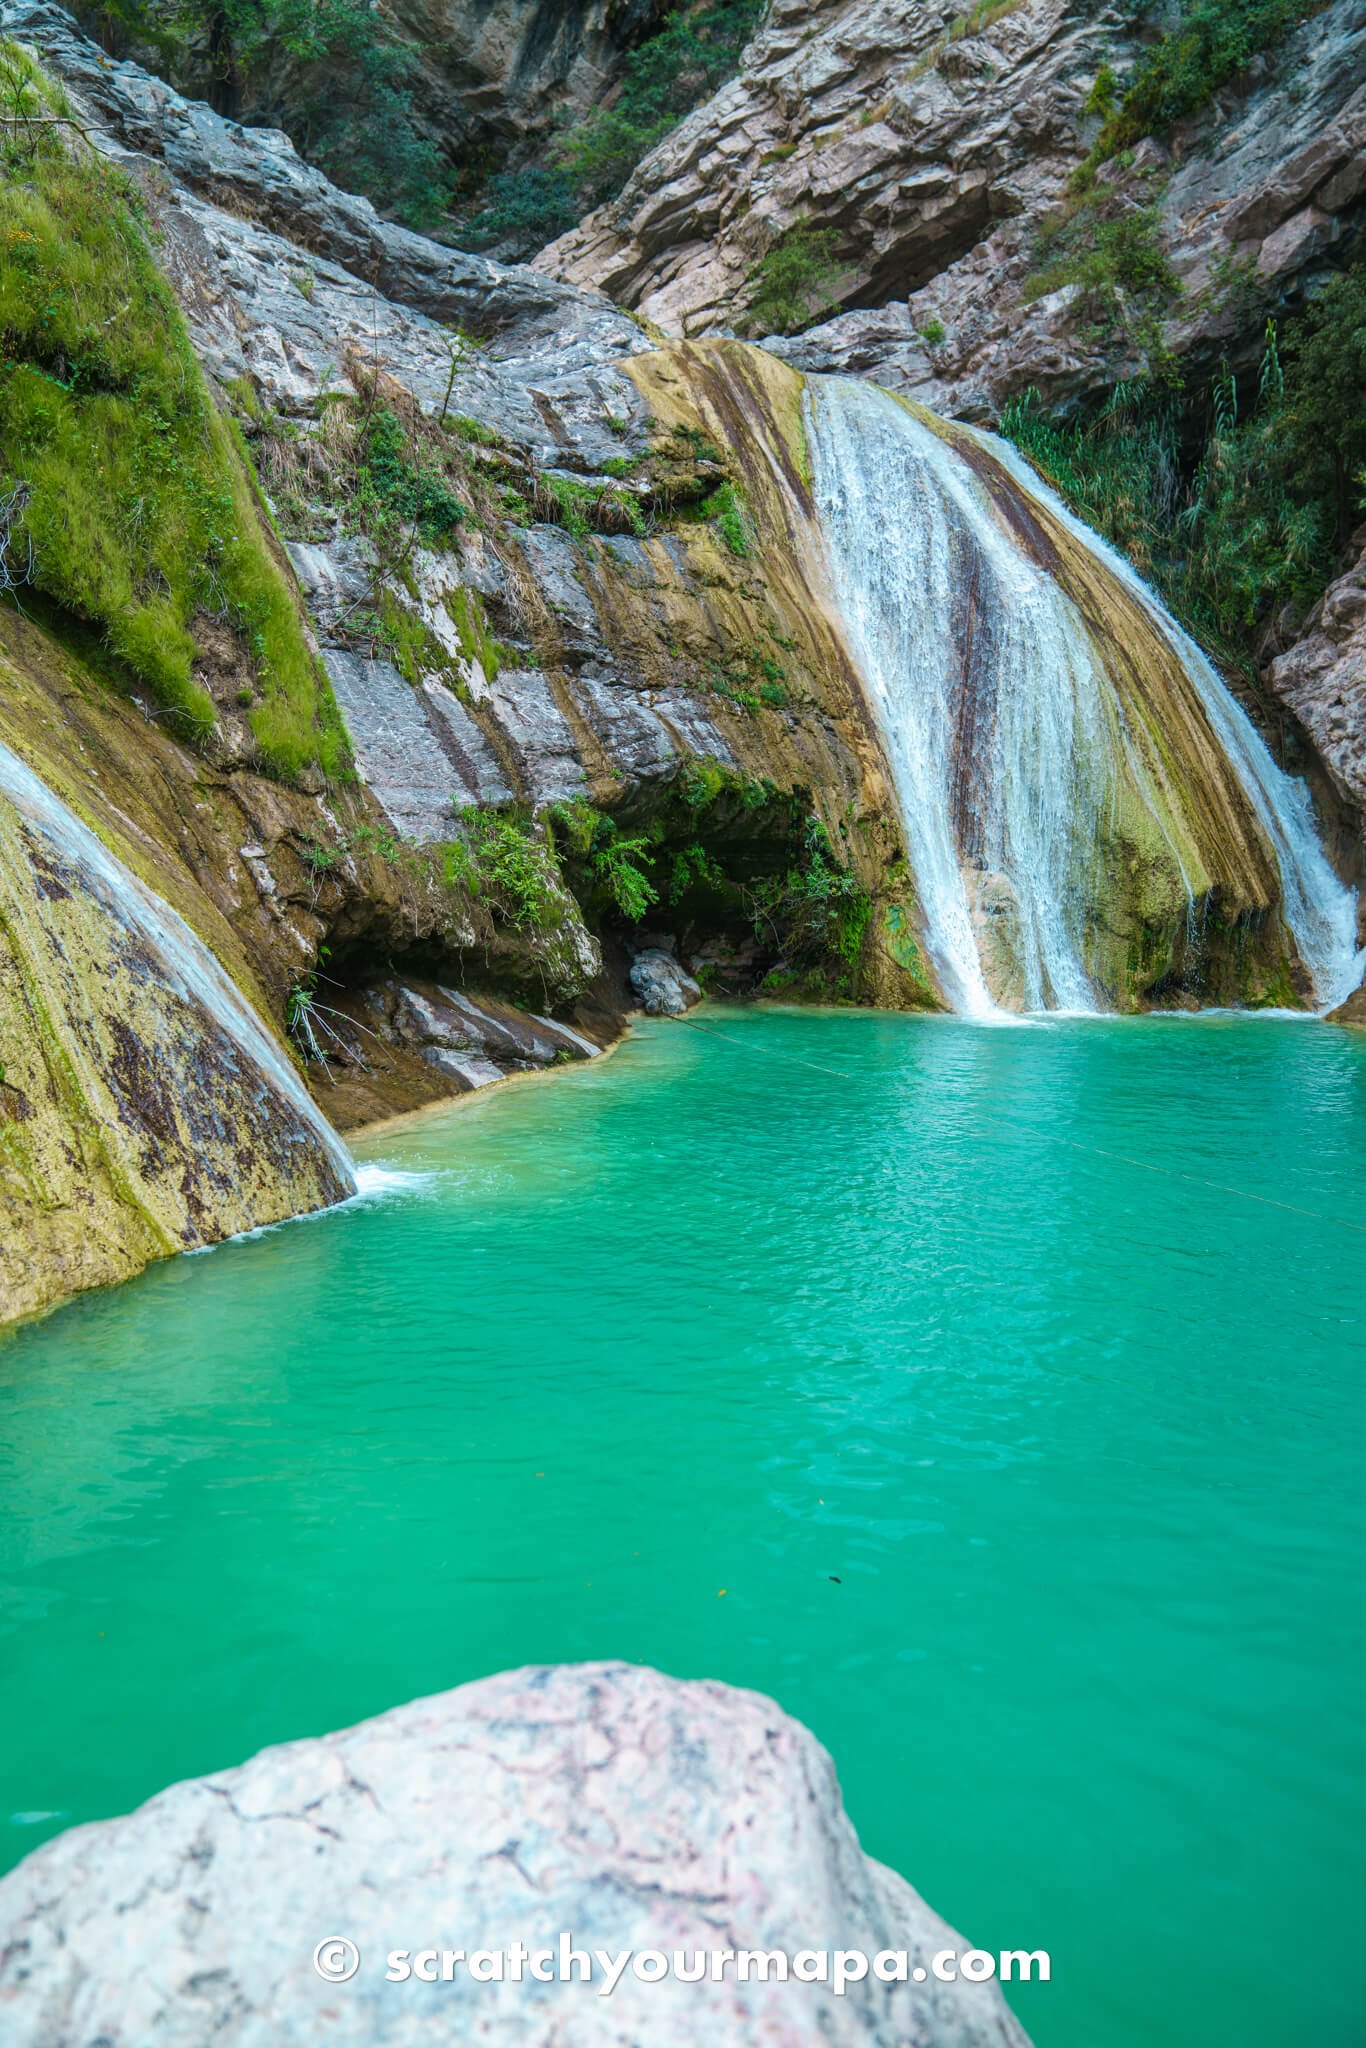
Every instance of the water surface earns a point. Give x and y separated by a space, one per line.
861 1359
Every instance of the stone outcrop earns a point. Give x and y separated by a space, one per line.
665 989
395 1045
934 157
627 1810
486 81
255 175
1320 680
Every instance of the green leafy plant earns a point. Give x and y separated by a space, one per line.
615 864
395 486
817 906
507 864
1210 43
793 284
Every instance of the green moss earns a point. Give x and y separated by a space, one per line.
139 508
466 610
243 392
727 509
412 645
904 948
472 430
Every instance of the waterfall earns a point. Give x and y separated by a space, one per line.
1031 769
181 961
1319 908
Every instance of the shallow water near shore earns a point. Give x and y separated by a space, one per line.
994 1399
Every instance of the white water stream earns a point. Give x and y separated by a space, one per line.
183 961
1004 733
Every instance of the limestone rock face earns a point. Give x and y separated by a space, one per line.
665 989
934 160
853 117
1322 679
605 1801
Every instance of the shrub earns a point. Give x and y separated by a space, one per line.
791 286
347 85
507 864
818 907
523 210
616 865
667 75
1325 397
1212 41
393 485
1252 523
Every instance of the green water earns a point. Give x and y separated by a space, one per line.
1080 1442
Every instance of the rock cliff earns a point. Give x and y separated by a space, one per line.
624 1809
571 677
1319 683
515 551
932 147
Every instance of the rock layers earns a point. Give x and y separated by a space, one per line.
933 145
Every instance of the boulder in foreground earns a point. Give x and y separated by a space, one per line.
629 1810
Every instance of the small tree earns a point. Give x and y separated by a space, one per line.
793 284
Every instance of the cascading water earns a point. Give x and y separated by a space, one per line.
1028 768
1319 908
180 960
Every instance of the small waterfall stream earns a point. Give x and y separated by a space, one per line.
182 960
1019 761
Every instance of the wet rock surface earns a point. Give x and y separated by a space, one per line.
630 1810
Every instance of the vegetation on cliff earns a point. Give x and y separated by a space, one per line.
132 510
1258 518
338 75
1210 42
696 47
342 78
